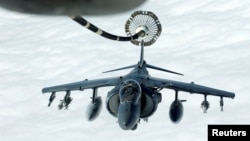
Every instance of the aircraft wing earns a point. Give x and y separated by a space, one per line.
188 87
85 84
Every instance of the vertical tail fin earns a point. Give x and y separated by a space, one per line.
142 54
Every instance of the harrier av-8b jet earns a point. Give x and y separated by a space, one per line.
136 95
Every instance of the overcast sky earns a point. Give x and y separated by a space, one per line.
207 40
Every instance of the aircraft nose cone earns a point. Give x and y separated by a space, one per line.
124 118
125 126
127 115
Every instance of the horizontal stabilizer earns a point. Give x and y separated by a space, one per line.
161 69
123 68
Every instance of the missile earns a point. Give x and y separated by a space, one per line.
51 99
205 104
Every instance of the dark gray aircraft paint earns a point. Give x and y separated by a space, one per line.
130 105
136 95
71 7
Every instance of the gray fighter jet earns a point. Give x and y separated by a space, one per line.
136 95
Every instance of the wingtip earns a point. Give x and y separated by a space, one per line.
44 91
233 96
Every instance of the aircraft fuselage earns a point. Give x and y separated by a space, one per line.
133 100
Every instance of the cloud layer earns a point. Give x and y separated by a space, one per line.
208 41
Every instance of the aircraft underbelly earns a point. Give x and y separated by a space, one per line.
148 105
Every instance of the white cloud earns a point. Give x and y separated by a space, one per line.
207 41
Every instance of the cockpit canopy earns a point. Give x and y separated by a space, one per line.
130 91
